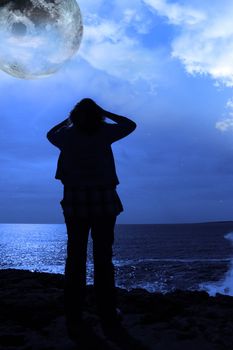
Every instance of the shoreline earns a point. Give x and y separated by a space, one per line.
207 287
32 316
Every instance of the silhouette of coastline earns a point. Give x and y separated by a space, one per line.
32 316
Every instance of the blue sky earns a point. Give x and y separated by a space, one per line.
168 65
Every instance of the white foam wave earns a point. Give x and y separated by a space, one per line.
134 262
225 285
229 236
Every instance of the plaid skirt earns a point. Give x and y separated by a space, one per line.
90 202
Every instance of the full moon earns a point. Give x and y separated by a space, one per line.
37 37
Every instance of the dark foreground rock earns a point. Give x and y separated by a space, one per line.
32 316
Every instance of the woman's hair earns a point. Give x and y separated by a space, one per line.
87 115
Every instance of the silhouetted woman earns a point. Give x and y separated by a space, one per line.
87 170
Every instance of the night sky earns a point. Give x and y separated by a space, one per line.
168 65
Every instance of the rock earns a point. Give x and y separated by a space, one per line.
32 316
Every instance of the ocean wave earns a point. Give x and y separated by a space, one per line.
229 236
225 285
134 262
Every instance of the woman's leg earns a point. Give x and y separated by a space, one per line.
75 268
104 279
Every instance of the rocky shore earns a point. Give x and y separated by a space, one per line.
32 316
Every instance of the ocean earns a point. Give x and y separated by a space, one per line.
159 258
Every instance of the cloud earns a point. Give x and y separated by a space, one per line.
176 14
227 123
204 43
137 20
206 48
107 47
203 39
113 41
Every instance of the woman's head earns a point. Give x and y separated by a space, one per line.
87 115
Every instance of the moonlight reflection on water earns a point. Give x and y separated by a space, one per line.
38 36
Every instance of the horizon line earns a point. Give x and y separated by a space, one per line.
156 223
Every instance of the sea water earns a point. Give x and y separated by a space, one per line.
159 258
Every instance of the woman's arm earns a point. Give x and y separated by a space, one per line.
123 127
52 135
119 119
57 127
